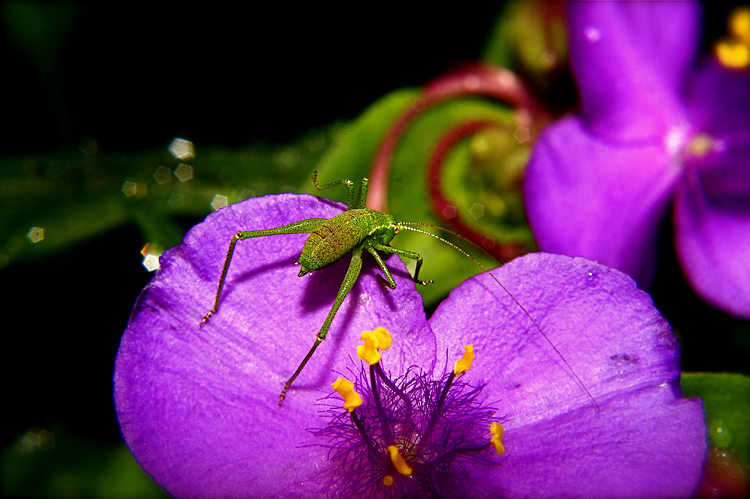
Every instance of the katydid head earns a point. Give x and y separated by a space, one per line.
387 233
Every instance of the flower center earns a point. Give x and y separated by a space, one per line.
700 145
675 139
411 436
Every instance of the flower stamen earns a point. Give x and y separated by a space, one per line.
398 461
464 364
497 438
700 145
734 52
461 366
385 427
345 388
379 339
410 436
395 389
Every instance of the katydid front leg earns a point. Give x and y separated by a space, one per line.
411 255
351 277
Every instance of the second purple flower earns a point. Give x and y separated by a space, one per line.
654 132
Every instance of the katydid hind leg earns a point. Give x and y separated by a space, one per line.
349 279
301 227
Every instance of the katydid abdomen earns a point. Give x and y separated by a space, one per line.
338 236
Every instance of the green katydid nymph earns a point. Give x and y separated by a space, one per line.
352 231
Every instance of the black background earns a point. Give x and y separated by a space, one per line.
134 78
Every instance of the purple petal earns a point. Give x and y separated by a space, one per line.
586 197
643 441
719 100
719 155
712 234
629 59
712 202
642 446
714 249
198 406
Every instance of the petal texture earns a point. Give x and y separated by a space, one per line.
644 445
719 99
713 246
643 440
198 407
712 201
587 197
630 59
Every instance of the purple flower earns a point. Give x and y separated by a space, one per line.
653 133
198 407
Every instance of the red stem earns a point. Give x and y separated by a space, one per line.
478 79
441 205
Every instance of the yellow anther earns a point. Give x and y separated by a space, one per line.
385 340
465 363
398 461
700 145
734 52
739 24
497 438
388 480
369 351
380 339
345 388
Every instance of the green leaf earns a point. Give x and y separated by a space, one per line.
40 28
530 38
352 156
528 34
52 202
726 401
408 199
42 464
499 49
